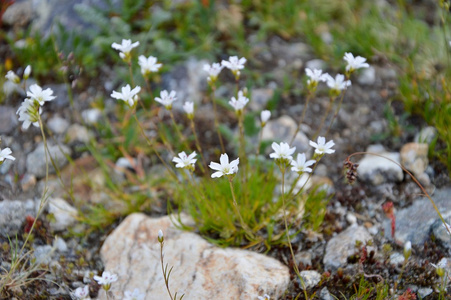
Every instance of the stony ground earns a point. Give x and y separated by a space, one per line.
331 260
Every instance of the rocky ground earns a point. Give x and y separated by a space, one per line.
355 238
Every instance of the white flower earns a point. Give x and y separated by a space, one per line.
300 165
27 72
354 63
106 280
188 107
407 250
315 76
11 76
282 151
225 168
29 112
323 147
265 115
136 295
160 236
82 293
148 65
5 154
239 104
185 161
36 93
265 297
125 48
338 83
441 264
127 94
166 98
234 64
213 71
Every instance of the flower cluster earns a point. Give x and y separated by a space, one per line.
234 64
130 96
213 71
148 65
30 110
240 103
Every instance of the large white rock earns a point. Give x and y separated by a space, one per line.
377 169
201 270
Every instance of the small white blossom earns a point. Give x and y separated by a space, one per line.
185 161
36 93
127 94
188 107
5 154
82 293
160 235
224 168
106 280
264 297
148 65
354 63
136 295
300 165
166 98
322 147
213 71
407 250
282 151
29 112
441 264
239 104
234 64
11 76
27 72
265 115
315 76
125 48
338 83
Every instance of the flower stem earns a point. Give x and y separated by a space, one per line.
196 139
182 138
163 269
323 120
309 96
295 265
213 91
337 110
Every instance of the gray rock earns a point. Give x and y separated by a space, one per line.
13 214
441 234
19 14
260 98
340 247
8 119
77 133
282 130
43 254
91 116
36 162
6 165
188 80
378 170
396 258
426 135
325 295
201 270
367 76
414 157
423 292
58 125
64 214
417 229
60 245
311 278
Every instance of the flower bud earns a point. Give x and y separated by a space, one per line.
11 76
265 115
160 236
407 250
27 72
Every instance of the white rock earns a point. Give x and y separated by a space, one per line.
91 116
378 170
58 125
396 258
414 157
367 76
311 278
351 218
201 270
65 215
77 133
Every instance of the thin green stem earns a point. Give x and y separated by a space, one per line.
310 94
260 136
215 112
337 110
323 120
296 270
182 138
237 211
196 139
163 269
